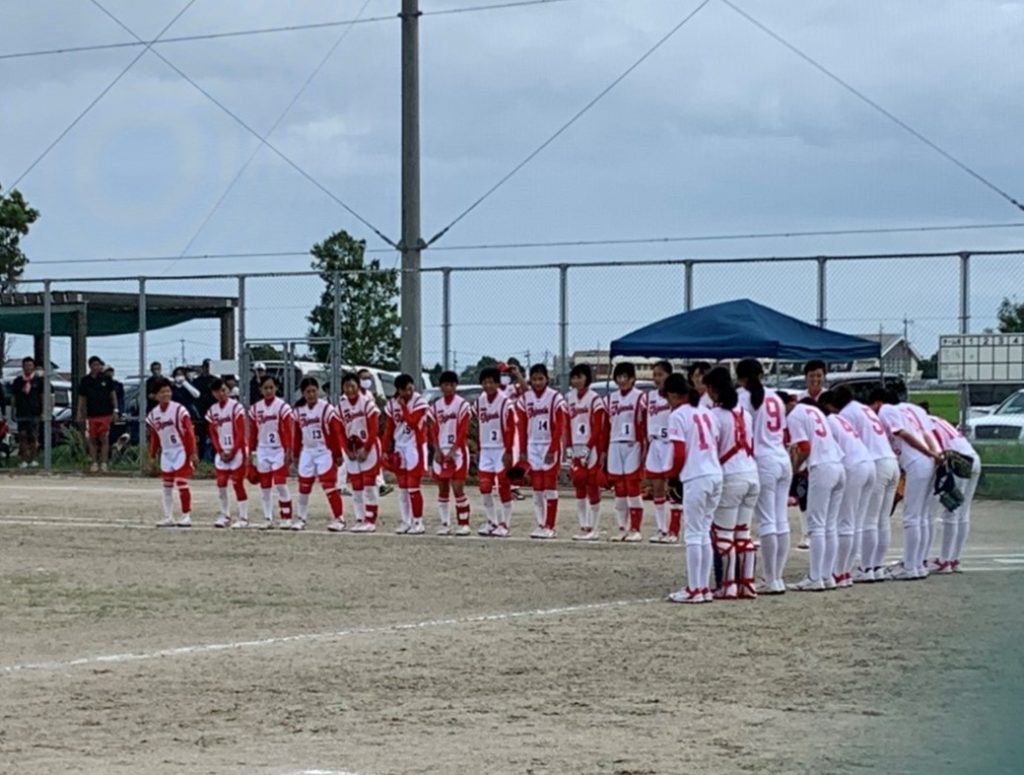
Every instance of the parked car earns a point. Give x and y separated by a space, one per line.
605 387
861 383
1005 423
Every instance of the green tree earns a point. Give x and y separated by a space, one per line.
930 367
471 374
1011 316
265 352
16 217
435 373
368 302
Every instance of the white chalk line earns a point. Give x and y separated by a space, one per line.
312 637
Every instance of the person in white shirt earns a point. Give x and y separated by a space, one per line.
875 533
667 518
694 436
812 442
955 524
695 373
774 469
730 531
918 454
860 482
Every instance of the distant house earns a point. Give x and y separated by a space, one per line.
898 356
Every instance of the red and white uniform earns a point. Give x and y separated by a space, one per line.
587 416
449 430
774 469
542 419
902 419
407 429
627 431
226 422
808 428
860 484
319 439
949 437
360 421
171 432
694 435
271 433
730 531
496 422
870 430
659 447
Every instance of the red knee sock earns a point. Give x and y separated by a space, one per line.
336 503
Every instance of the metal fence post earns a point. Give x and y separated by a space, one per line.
47 377
336 342
687 286
142 399
243 350
822 291
965 327
446 317
563 326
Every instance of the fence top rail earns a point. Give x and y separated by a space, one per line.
549 265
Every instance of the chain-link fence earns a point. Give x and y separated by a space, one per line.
557 313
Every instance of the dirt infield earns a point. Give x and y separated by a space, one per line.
126 649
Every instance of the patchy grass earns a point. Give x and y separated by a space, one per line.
1001 486
941 403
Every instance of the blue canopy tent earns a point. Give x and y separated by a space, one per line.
742 329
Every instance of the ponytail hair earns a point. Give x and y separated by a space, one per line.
751 370
719 380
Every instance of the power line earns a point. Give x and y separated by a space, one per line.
267 30
530 245
100 96
867 100
284 113
252 131
579 114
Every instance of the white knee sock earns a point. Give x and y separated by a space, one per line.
539 508
868 546
444 509
222 499
768 554
803 524
404 507
818 549
950 527
694 563
359 504
282 493
927 534
267 503
594 512
303 506
489 512
168 502
243 510
781 553
506 513
581 512
661 516
622 512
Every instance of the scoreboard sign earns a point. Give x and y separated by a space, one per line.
981 358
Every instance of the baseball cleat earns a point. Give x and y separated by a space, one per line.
807 584
486 529
463 530
955 564
543 533
943 568
298 524
658 538
500 531
336 525
899 573
239 524
727 592
365 527
708 597
862 576
686 595
632 537
222 521
169 522
416 528
805 544
671 538
185 521
444 530
586 534
284 524
403 528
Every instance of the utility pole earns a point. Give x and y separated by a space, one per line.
412 242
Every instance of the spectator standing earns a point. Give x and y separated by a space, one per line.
97 405
184 392
204 384
118 388
27 400
155 375
255 395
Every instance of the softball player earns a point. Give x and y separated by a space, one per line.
318 445
496 420
171 434
541 433
360 420
226 422
627 418
588 449
405 444
658 464
956 524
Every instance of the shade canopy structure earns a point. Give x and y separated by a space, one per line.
741 329
83 314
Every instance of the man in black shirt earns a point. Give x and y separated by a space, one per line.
27 398
155 374
204 384
97 405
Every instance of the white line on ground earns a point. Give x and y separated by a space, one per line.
325 772
311 637
1008 560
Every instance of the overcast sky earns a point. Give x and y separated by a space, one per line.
721 131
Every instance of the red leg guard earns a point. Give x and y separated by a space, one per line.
186 496
552 513
675 520
240 494
504 489
416 501
336 503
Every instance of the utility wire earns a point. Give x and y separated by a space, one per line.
284 113
100 96
252 131
565 244
864 98
267 30
578 115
